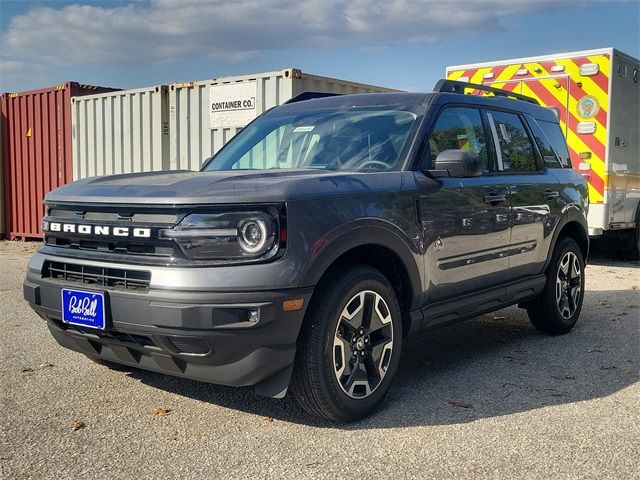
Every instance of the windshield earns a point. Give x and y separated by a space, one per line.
365 139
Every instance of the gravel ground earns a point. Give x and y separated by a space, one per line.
489 398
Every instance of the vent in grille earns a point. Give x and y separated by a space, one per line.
114 278
191 345
165 249
143 218
142 340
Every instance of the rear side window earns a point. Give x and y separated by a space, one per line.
559 144
458 129
549 156
515 150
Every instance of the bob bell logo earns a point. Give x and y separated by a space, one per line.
103 230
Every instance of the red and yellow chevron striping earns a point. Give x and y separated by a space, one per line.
558 84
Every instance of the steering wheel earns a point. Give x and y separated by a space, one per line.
374 164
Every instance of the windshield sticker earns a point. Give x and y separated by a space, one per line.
306 128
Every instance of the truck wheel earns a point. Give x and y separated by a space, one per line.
349 348
558 307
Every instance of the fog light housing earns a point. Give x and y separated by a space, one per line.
253 317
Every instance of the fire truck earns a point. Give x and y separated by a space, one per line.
596 96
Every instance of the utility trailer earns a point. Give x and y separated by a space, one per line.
596 96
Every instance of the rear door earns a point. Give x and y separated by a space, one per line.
533 192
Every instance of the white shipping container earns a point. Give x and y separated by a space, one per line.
205 115
125 131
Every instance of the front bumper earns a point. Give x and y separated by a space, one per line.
201 335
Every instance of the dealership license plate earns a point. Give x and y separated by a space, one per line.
83 308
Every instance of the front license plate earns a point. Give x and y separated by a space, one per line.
83 308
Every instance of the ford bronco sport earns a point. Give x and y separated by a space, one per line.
327 231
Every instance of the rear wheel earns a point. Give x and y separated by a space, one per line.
558 308
350 347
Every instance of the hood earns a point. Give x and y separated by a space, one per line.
228 187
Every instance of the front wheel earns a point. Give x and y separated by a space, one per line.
349 349
558 308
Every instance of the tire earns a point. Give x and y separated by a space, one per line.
635 243
329 379
632 251
557 309
106 363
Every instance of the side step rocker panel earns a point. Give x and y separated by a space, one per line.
471 305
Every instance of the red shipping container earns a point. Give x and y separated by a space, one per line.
36 144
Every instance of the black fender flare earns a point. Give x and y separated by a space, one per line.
571 215
366 235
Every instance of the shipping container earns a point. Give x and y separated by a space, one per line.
205 115
36 147
120 132
596 96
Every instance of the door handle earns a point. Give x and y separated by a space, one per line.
494 198
550 194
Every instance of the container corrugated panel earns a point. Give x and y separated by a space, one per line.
36 152
120 132
194 139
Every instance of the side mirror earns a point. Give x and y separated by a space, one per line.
458 163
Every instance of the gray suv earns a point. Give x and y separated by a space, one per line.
317 240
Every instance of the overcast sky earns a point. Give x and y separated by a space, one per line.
397 43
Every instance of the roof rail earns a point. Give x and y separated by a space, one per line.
310 96
452 86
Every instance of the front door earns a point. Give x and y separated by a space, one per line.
466 220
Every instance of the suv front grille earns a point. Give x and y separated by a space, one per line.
112 217
114 278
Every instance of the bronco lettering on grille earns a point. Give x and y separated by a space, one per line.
97 230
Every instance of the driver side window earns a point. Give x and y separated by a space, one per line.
458 129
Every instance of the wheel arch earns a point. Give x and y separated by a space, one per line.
379 249
572 224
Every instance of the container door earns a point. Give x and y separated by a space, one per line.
36 155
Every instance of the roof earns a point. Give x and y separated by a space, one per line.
416 99
357 100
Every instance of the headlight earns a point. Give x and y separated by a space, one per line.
254 235
226 236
